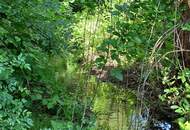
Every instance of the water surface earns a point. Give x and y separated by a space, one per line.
116 108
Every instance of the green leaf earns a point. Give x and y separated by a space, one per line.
50 105
3 31
188 96
186 27
179 110
183 79
17 39
167 90
117 73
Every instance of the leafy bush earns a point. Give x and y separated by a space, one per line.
13 94
31 31
177 95
136 27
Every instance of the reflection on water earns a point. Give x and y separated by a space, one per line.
116 109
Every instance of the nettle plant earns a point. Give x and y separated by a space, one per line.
177 95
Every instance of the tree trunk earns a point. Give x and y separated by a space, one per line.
183 40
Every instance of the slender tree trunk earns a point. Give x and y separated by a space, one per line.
183 40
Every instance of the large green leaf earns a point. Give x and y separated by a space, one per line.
117 73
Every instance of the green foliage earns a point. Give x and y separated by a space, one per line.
13 114
186 27
40 56
30 33
177 95
184 125
136 27
89 5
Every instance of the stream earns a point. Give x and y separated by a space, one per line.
117 108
